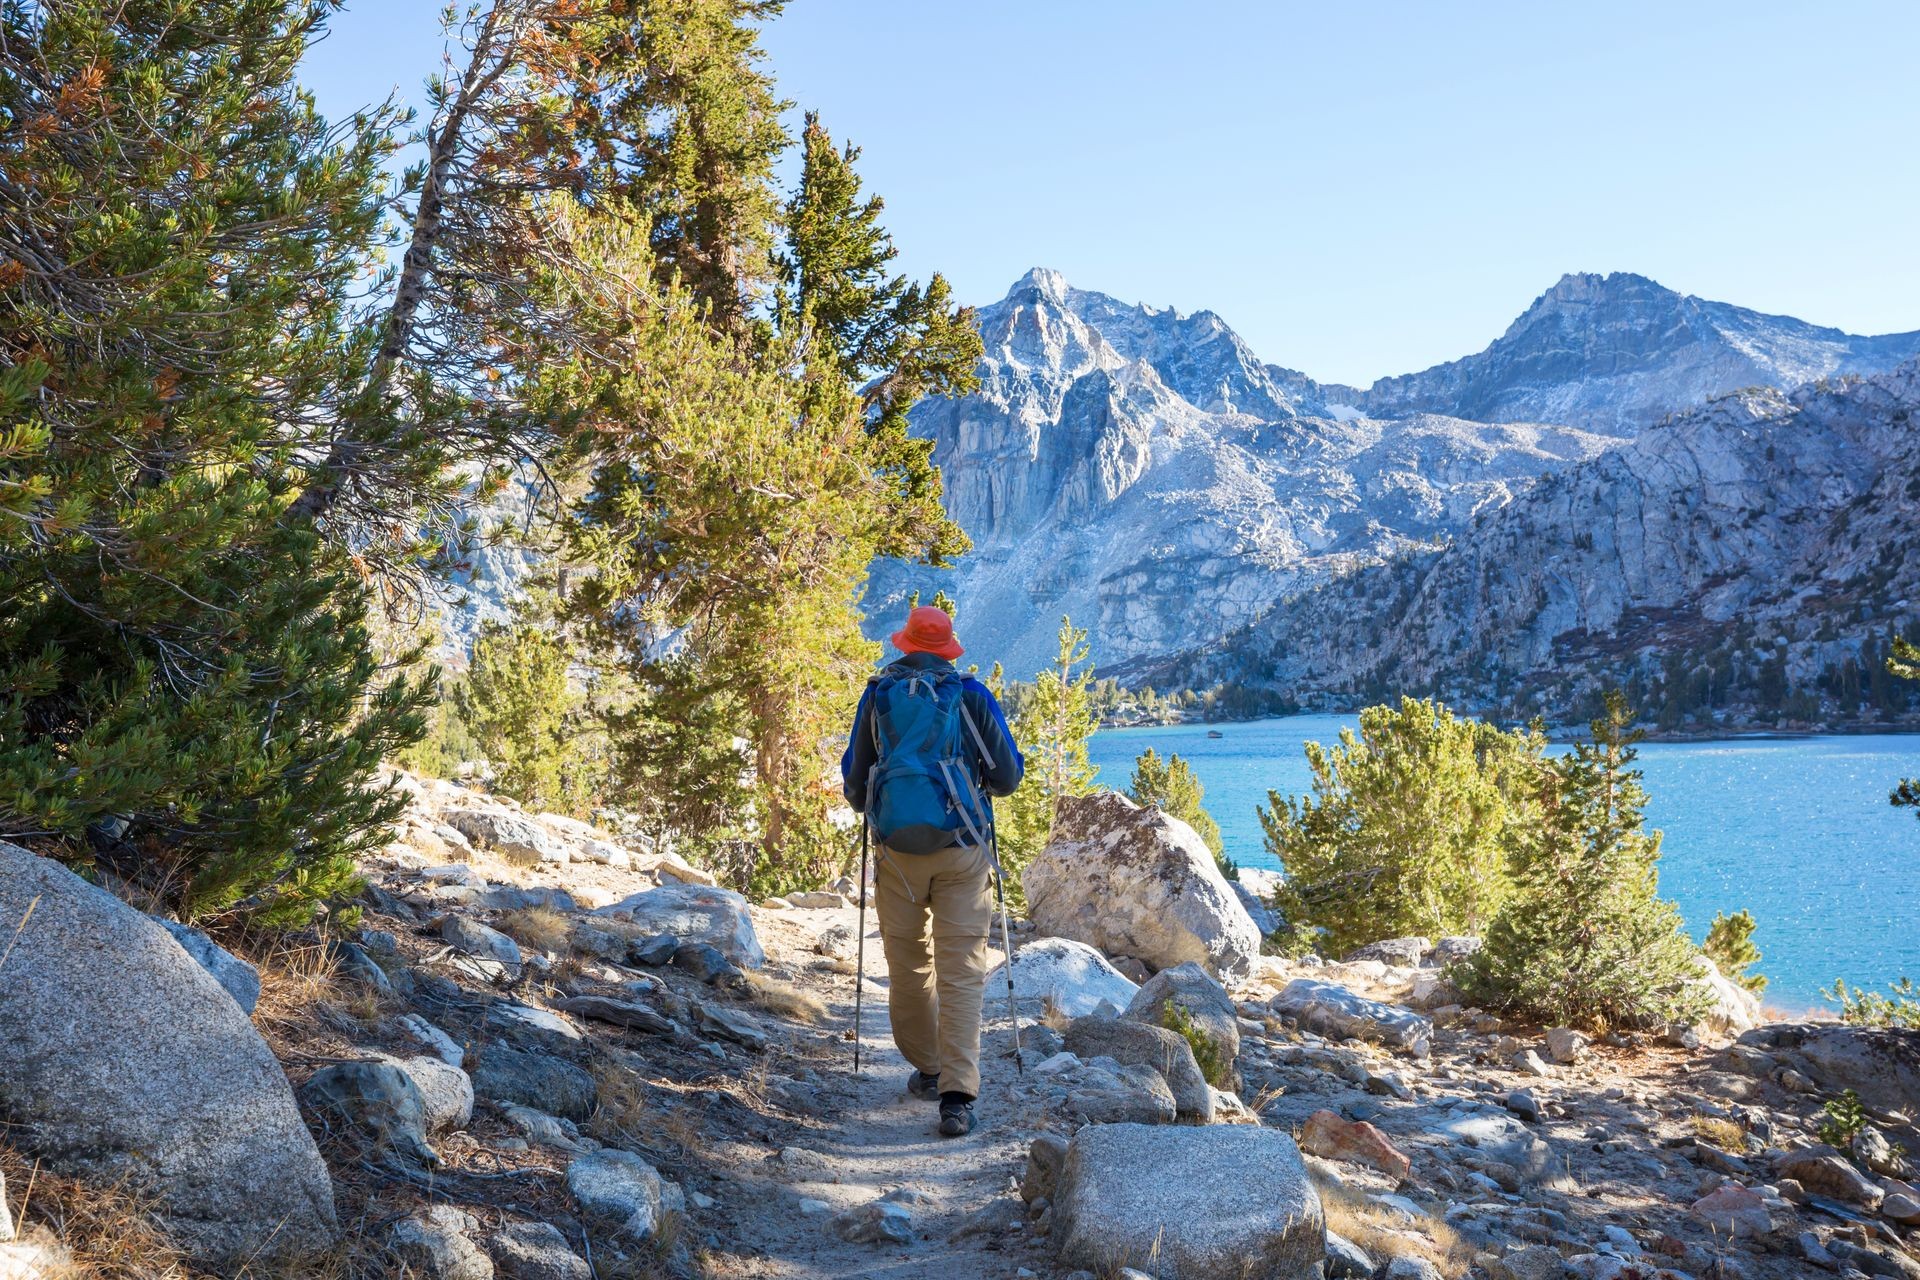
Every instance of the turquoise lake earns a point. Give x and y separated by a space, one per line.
1796 830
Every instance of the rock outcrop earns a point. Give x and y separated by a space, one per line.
1217 1203
1134 881
694 913
122 1058
1071 976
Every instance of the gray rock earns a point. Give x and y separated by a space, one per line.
1448 951
1333 1010
470 937
1045 1155
353 963
509 834
1105 1092
531 1024
1134 881
1396 951
729 1024
839 941
240 979
620 1013
538 1126
380 1100
1071 976
654 951
1524 1104
695 913
705 962
1872 1149
816 900
1255 887
623 1191
1410 1267
534 1080
879 1222
1881 1064
446 1092
1565 1045
1824 1172
1138 1043
442 1044
1205 1002
1214 1203
1347 1260
535 1251
1533 1262
434 1245
126 1059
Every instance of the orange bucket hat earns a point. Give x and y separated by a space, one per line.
928 630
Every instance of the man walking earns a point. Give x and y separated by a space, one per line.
929 746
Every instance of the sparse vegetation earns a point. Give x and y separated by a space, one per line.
541 928
1171 785
1176 1018
1900 1008
1409 828
1730 946
1845 1117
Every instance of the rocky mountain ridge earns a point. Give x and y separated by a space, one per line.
1145 473
1766 529
1616 353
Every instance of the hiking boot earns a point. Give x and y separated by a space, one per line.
923 1086
956 1117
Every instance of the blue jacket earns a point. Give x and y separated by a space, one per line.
998 780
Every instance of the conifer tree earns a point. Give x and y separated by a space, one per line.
1729 945
518 702
1052 728
187 685
1904 661
1171 785
1408 827
1586 939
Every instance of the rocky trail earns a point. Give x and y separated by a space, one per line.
545 1054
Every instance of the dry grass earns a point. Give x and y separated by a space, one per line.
296 979
1728 1135
1384 1236
781 997
1052 1015
109 1231
541 928
621 1109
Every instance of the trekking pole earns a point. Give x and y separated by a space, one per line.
860 969
1006 945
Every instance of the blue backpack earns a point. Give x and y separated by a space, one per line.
921 795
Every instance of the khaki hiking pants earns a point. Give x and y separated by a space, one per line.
936 982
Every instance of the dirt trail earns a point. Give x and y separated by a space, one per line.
873 1138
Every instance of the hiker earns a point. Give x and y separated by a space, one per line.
929 746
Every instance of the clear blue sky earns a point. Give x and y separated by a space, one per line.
1360 189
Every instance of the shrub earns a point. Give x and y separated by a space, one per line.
1586 939
1730 946
1408 827
1175 1017
1871 1009
1844 1118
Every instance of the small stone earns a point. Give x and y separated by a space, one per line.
703 961
1871 1148
1901 1208
654 951
1822 1171
814 1208
534 1080
1565 1045
1347 1260
470 937
1523 1104
1327 1135
816 900
1534 1262
839 941
1409 1267
619 1187
380 1100
433 1245
1813 1251
1045 1155
439 1042
1735 1212
535 1251
1530 1063
880 1222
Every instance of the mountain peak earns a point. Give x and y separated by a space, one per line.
1594 286
1045 281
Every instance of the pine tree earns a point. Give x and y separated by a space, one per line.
1904 662
1052 728
520 703
187 683
1408 828
1730 946
1171 785
1586 938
